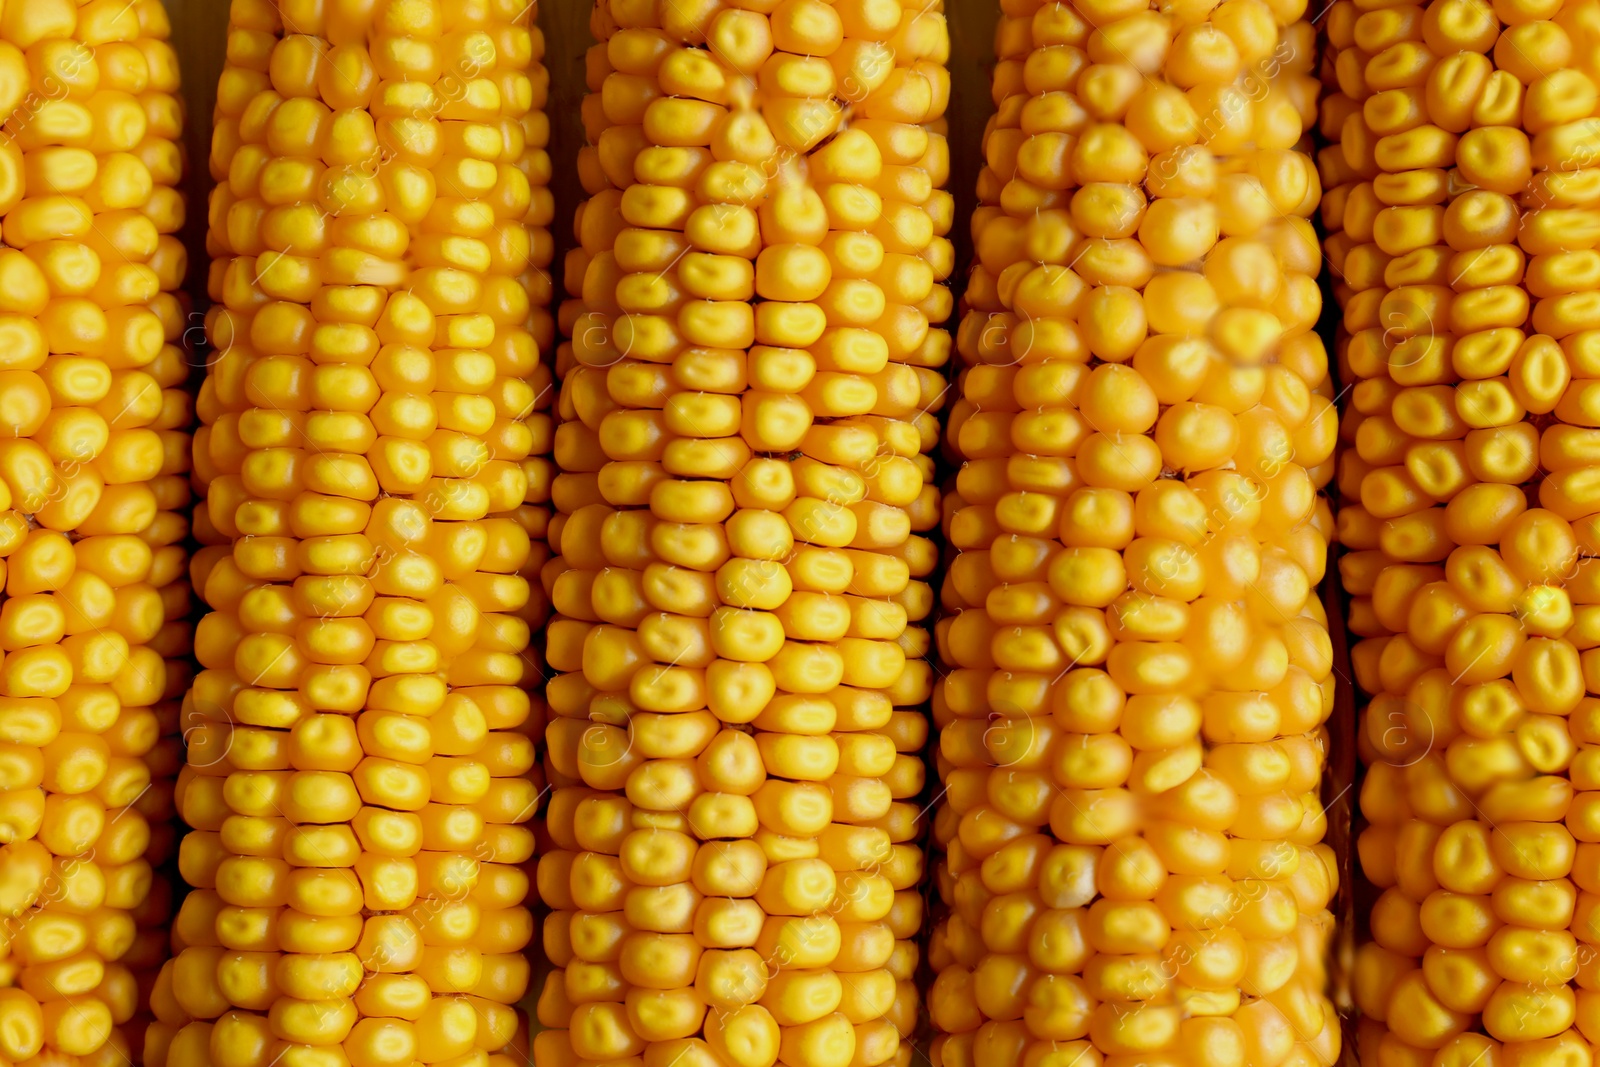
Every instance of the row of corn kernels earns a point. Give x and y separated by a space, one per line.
1463 216
744 486
93 487
1132 733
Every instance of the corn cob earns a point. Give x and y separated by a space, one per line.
357 763
1131 738
1466 211
732 743
91 487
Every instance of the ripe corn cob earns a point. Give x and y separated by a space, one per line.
358 762
91 477
1466 210
1131 735
732 743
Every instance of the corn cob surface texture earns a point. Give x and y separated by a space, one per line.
746 408
156 737
92 494
1465 203
359 735
1131 733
